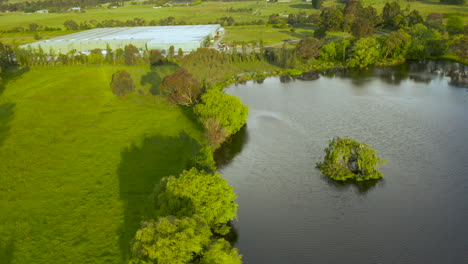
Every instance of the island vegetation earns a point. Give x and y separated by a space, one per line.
139 118
347 159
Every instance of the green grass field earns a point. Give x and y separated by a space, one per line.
78 163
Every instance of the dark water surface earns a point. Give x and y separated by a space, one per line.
290 213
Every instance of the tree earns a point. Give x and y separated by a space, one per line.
156 58
215 133
131 54
320 33
460 47
221 252
195 192
347 159
392 15
395 44
331 19
455 25
170 240
364 52
362 27
180 52
122 83
181 88
228 109
171 52
33 27
317 4
308 48
71 25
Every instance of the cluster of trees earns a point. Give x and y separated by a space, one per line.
51 5
129 55
193 214
346 159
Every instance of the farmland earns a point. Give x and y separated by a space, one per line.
207 12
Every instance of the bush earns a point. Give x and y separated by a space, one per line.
215 133
181 88
122 83
347 159
227 109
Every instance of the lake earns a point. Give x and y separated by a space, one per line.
289 213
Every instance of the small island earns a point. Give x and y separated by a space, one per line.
348 159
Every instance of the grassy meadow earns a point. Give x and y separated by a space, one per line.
78 163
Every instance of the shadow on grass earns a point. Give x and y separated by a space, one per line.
302 6
156 76
7 250
141 167
9 75
229 149
7 111
361 187
299 35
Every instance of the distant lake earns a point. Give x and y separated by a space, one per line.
290 213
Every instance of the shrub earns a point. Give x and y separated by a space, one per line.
122 83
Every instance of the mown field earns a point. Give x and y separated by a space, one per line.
78 163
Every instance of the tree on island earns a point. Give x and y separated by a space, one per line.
347 159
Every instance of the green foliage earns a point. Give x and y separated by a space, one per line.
221 252
460 48
131 54
328 52
365 52
426 42
455 25
181 88
331 19
170 240
155 57
228 109
197 192
347 159
308 48
395 44
122 83
362 27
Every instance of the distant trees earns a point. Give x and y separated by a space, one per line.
453 2
331 19
348 159
308 48
122 83
181 88
71 25
362 27
155 57
132 54
317 4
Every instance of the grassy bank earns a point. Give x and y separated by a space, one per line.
77 163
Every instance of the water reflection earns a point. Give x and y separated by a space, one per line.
233 146
361 187
417 71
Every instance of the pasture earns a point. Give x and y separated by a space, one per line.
78 163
